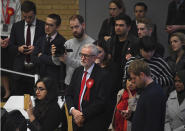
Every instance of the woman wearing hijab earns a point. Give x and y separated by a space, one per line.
175 106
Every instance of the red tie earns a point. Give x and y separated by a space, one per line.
28 42
82 88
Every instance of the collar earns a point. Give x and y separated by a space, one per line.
89 71
32 24
53 36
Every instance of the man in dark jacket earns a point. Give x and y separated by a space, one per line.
42 52
23 37
150 110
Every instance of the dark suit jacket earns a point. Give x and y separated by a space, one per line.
94 109
17 39
45 65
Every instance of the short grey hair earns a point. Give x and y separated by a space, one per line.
93 47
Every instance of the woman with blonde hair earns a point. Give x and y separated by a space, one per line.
176 60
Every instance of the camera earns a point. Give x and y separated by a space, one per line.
61 49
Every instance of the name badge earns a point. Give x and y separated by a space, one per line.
5 27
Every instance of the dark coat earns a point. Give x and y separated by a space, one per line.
94 110
17 39
44 63
150 110
107 28
176 16
175 67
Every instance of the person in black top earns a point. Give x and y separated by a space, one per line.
175 18
150 109
107 29
104 61
176 60
46 115
120 46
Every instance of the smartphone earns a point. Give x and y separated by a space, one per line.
26 101
25 49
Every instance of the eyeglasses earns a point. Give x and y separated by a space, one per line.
85 55
39 89
51 25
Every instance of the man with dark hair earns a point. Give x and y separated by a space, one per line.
121 44
28 6
72 58
23 37
42 51
140 10
150 109
160 70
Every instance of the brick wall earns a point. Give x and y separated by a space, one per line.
65 8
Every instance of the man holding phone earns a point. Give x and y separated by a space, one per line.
23 37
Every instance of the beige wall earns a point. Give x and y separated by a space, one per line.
65 8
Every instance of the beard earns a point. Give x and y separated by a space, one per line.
121 34
78 35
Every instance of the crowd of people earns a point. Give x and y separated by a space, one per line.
121 82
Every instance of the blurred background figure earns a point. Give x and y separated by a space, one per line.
140 10
14 121
10 13
107 29
176 60
175 21
175 106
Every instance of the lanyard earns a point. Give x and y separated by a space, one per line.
5 15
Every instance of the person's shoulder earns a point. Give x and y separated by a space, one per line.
89 39
21 22
105 21
78 69
70 41
61 37
155 89
172 95
40 21
158 59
